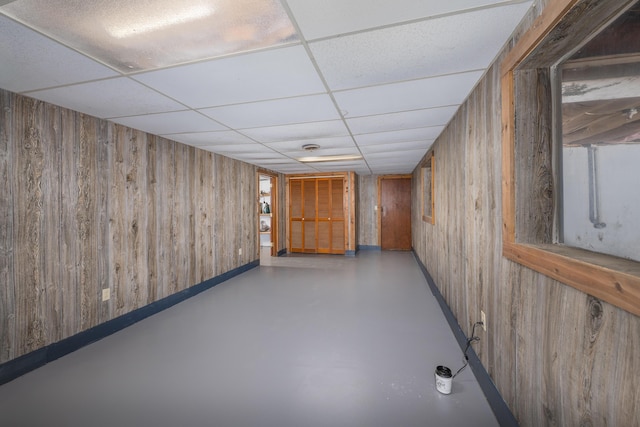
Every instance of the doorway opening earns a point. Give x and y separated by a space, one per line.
267 217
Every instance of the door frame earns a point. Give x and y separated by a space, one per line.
275 202
380 178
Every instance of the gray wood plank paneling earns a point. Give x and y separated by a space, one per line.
103 206
557 355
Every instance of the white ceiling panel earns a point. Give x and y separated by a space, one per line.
243 148
332 166
210 138
169 123
291 168
404 120
313 108
298 153
330 17
401 156
377 78
257 76
406 96
337 142
300 131
31 61
398 146
407 135
109 98
436 47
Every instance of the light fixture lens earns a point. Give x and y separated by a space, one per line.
318 159
133 36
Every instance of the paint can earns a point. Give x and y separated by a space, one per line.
444 378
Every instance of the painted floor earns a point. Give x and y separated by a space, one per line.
306 341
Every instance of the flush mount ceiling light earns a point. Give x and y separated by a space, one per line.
317 159
310 147
139 36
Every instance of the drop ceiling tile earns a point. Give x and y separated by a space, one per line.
398 146
169 123
336 166
109 98
407 135
408 156
210 138
404 120
406 96
254 148
337 142
297 153
31 61
281 160
300 131
256 76
446 45
330 17
292 168
312 108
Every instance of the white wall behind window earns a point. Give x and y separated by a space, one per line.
618 180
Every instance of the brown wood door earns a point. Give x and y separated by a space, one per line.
395 211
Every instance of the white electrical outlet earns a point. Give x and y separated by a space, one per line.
106 294
483 319
240 251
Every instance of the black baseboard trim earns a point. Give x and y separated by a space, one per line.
21 365
368 248
349 253
499 407
282 252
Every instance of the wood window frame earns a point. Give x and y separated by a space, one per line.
428 166
560 27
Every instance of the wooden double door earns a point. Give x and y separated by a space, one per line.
316 215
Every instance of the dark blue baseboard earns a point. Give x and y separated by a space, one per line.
368 248
498 405
24 364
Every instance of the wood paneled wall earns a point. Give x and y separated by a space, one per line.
367 221
559 357
86 205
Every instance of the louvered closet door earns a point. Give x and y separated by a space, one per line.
337 217
324 216
295 216
309 202
317 215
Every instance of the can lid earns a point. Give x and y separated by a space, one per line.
443 371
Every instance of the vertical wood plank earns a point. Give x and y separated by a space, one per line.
71 308
117 221
166 223
152 231
29 212
180 220
190 278
104 150
7 251
86 218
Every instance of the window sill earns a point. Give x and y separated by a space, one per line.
612 279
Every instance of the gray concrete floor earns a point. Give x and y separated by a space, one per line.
306 341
